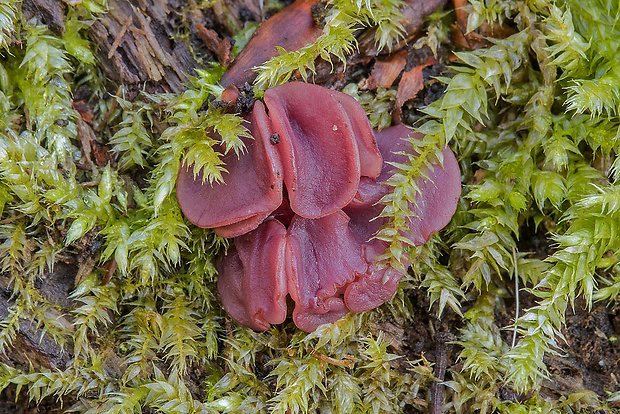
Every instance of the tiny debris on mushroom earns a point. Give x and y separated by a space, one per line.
274 138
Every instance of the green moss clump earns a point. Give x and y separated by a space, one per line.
533 119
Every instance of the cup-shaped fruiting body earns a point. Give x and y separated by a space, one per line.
320 147
302 203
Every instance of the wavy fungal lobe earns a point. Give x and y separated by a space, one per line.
304 210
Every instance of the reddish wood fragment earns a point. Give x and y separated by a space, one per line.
471 40
101 153
458 37
459 33
231 94
94 152
110 267
221 47
461 13
119 38
385 71
84 111
410 84
475 39
291 28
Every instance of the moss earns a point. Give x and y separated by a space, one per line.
533 119
337 40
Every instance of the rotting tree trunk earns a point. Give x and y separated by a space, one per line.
29 347
135 44
138 43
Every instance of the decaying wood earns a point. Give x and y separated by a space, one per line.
232 14
139 41
29 346
335 75
442 350
136 45
221 47
385 71
415 14
49 12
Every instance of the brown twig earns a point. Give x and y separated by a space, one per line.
110 267
344 363
89 184
119 37
441 363
13 218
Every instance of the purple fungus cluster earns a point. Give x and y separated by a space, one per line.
303 205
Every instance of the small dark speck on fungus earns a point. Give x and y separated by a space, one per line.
315 241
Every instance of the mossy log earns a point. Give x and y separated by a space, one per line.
138 43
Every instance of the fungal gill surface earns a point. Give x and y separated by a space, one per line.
303 205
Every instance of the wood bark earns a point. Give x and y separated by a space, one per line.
30 347
136 45
49 12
